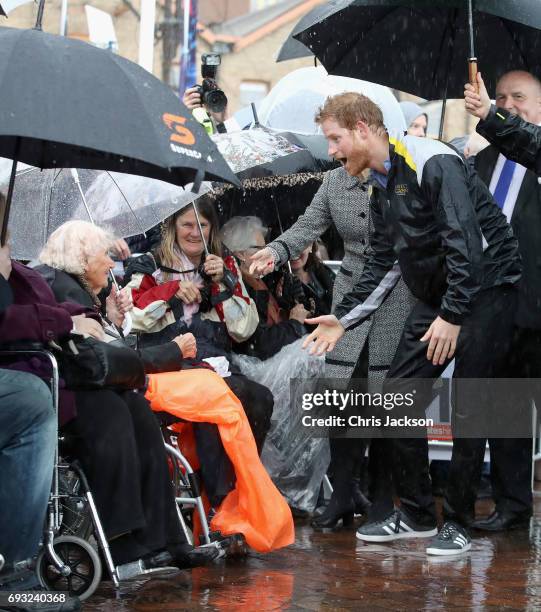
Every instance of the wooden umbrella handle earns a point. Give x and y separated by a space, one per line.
472 72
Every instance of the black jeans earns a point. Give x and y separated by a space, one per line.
511 458
347 452
482 347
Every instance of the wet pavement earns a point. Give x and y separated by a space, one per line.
333 571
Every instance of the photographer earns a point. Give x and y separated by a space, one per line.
207 101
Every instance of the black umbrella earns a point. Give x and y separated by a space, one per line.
66 103
294 49
277 200
419 46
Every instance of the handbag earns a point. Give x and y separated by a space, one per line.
89 364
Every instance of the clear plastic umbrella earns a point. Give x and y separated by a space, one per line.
132 204
124 204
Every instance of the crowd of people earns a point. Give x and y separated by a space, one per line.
439 264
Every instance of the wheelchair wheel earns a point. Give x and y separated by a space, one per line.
83 561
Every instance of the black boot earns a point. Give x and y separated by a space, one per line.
346 457
339 508
362 503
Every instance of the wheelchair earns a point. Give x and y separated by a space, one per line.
68 559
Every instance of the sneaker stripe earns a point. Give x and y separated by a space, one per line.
405 526
388 530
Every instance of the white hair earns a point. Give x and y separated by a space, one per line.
70 246
238 234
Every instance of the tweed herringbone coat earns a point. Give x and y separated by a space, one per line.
344 201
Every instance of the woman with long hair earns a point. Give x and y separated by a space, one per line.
180 288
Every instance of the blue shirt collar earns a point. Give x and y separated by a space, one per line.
379 177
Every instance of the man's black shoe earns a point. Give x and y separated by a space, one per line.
503 521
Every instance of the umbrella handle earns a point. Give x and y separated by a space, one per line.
472 72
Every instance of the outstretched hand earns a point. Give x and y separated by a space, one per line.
324 338
477 104
121 249
262 262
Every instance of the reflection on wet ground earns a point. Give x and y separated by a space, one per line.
332 571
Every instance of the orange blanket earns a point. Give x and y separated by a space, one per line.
255 507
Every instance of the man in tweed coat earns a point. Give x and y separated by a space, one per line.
344 200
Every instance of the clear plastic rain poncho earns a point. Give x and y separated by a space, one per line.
293 102
295 460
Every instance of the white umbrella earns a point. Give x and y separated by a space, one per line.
293 102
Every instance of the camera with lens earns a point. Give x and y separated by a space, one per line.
211 95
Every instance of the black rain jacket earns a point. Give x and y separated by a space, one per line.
437 224
515 138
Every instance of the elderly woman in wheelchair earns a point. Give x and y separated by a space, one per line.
113 434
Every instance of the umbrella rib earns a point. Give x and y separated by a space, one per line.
128 204
442 45
48 206
514 39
